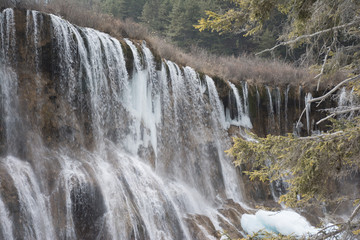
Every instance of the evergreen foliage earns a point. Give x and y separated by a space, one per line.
307 164
320 27
123 8
311 166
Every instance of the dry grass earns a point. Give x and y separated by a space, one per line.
252 69
243 68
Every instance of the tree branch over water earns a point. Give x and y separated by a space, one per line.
310 36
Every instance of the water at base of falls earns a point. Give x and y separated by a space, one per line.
108 151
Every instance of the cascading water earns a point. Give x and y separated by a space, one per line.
346 101
32 201
9 87
242 106
286 95
219 113
5 221
7 29
108 151
33 20
246 97
308 97
271 111
10 106
278 105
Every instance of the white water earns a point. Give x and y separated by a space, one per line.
8 80
270 108
246 97
286 94
278 105
215 101
242 119
10 106
143 150
347 100
32 28
5 221
7 29
32 200
71 176
308 97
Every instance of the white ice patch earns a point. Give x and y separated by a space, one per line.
285 222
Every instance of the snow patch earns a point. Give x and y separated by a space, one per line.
286 222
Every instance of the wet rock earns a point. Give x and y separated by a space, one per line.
88 211
201 227
11 201
231 224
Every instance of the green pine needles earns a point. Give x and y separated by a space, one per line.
310 165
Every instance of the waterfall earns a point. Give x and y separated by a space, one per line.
308 97
32 200
110 150
271 112
246 97
144 101
10 106
215 101
5 221
346 100
286 94
242 106
278 105
32 27
8 39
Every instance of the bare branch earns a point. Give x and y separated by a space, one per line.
321 98
343 227
346 227
334 89
322 69
309 36
335 134
337 113
331 234
298 122
354 213
325 118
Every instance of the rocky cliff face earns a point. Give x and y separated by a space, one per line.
99 139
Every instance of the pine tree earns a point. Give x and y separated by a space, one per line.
123 8
164 14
